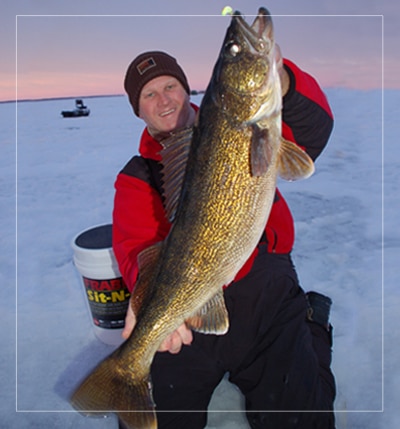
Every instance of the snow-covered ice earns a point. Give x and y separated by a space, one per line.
63 184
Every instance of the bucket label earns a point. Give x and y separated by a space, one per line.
108 301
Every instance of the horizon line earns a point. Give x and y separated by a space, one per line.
69 97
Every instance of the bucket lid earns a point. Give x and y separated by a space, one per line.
99 237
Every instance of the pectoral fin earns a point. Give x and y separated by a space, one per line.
260 150
212 318
293 162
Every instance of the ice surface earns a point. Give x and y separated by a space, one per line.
64 184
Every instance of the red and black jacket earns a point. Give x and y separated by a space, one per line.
139 218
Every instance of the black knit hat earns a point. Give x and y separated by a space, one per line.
146 67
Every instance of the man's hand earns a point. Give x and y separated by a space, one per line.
173 343
130 322
283 74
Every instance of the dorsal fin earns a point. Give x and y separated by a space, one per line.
174 156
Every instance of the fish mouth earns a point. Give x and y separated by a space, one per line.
259 35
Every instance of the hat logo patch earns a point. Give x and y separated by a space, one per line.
146 65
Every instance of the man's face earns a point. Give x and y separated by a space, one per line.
164 105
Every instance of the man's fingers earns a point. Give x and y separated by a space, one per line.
283 75
278 56
185 334
173 343
130 322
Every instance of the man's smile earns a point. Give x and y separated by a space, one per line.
168 112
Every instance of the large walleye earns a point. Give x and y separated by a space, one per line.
218 206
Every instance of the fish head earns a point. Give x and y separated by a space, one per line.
245 80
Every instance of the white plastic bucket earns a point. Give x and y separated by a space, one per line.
106 292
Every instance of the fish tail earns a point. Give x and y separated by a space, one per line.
108 389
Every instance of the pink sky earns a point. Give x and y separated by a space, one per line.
81 55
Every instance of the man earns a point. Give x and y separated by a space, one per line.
278 347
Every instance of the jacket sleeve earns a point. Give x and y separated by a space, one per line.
138 222
306 116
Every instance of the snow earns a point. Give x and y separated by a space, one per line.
64 184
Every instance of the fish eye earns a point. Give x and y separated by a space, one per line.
233 49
